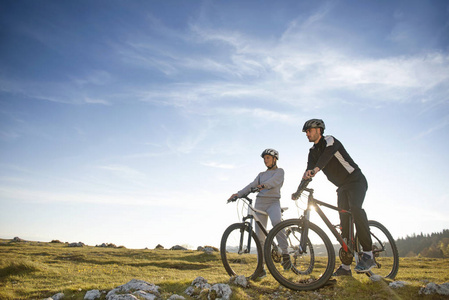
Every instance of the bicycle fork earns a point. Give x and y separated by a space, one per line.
305 231
242 235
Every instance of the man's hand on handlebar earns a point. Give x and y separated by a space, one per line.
310 173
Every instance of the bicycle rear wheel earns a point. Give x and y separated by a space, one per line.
236 256
312 266
385 251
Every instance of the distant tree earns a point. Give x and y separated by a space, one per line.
432 252
444 246
435 245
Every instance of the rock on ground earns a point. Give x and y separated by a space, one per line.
137 287
398 284
433 288
92 295
240 281
176 297
177 247
220 291
200 288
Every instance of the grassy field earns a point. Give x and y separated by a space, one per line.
34 270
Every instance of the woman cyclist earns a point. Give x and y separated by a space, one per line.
269 183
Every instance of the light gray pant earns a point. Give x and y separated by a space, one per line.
272 207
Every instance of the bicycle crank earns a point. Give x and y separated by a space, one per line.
346 257
276 255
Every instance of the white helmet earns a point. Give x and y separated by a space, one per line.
271 152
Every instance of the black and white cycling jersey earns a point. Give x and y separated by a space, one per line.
331 157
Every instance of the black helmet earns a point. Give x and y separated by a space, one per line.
314 123
271 152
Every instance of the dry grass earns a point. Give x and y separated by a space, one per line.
31 270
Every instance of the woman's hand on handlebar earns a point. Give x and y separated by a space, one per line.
233 197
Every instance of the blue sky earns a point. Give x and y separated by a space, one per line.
132 122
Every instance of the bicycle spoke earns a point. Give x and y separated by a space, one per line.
384 251
311 266
236 256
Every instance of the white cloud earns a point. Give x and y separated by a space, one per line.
261 113
153 198
289 72
124 172
218 165
96 101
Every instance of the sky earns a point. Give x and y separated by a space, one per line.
132 122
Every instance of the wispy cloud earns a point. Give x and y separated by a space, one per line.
150 199
96 101
218 165
8 135
218 64
186 142
124 172
288 71
261 113
65 92
439 125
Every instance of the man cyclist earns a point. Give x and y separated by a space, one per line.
269 183
329 155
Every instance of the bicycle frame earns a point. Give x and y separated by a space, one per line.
251 215
315 203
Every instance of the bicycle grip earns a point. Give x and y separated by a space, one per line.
233 199
302 185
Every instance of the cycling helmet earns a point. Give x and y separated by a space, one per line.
271 152
314 123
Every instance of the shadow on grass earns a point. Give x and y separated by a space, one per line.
17 268
165 264
172 265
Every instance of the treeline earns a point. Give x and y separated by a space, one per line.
435 245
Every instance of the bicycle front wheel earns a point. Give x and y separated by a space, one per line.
237 256
312 266
385 251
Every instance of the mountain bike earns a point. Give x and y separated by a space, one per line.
313 254
240 249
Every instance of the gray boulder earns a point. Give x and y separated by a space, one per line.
176 297
240 280
220 291
57 296
134 288
398 284
177 247
433 288
92 295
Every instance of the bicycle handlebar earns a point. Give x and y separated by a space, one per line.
253 190
302 185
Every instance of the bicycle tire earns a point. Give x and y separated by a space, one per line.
244 263
385 251
303 276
